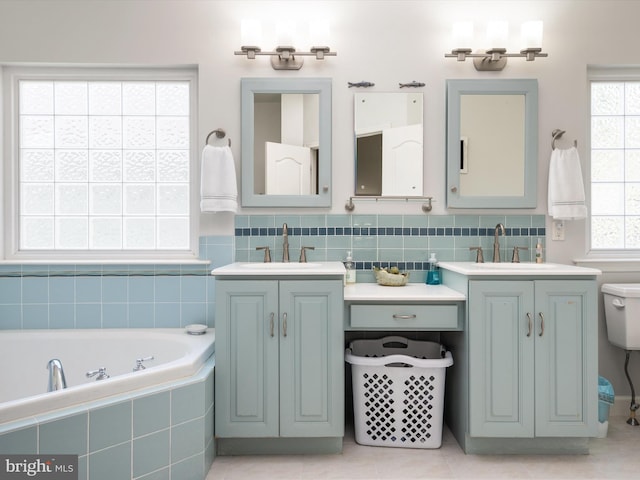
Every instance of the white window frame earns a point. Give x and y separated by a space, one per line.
611 260
9 174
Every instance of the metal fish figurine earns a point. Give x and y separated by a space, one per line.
412 84
361 84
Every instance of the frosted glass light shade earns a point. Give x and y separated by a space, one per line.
531 34
319 33
250 32
462 34
497 34
286 33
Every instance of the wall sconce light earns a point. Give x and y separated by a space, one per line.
285 56
495 58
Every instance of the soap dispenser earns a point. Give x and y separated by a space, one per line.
433 274
350 275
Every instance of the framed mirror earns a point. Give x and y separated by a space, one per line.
492 143
286 142
389 144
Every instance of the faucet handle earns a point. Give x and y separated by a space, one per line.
303 256
267 254
515 258
479 255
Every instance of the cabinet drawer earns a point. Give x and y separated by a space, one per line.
405 316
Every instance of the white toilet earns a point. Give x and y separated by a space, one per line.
622 314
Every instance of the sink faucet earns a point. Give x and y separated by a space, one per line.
285 243
496 244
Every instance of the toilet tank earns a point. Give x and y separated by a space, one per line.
622 314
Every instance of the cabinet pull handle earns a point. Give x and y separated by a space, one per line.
284 324
541 323
271 324
530 324
398 316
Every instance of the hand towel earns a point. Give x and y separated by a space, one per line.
218 184
566 200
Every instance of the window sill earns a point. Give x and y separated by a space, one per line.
104 261
617 264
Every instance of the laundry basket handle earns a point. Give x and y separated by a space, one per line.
388 341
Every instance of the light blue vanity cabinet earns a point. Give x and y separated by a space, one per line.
527 371
532 347
279 365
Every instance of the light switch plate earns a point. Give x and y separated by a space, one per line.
557 230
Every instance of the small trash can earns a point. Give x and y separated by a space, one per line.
606 398
398 391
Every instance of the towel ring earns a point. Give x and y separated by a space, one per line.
220 133
556 134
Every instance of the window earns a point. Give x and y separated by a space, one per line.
615 165
102 164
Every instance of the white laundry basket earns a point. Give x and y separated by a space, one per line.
398 391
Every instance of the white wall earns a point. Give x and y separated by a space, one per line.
385 42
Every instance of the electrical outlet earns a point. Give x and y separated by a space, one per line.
557 230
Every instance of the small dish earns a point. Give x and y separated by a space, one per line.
196 329
383 277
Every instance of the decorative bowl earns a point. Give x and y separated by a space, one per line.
383 277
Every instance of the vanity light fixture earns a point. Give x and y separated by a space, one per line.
495 58
285 56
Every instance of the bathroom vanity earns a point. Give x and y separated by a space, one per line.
526 362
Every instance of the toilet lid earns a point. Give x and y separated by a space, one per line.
622 289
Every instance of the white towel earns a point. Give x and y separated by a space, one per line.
218 185
566 190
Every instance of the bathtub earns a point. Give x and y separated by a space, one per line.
25 354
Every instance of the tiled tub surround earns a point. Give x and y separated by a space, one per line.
161 432
403 240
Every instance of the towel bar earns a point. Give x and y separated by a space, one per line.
220 133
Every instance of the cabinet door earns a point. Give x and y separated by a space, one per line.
501 371
246 359
566 358
311 359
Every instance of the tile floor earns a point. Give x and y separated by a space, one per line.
614 457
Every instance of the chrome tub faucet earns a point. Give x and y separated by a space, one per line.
56 375
496 243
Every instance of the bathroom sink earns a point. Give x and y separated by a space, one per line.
281 266
516 269
515 266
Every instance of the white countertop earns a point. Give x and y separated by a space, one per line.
517 269
410 292
259 269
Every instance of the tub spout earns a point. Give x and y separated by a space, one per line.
56 375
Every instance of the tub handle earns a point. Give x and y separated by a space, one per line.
139 363
617 303
271 324
100 372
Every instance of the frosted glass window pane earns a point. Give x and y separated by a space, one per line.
139 132
105 165
632 165
139 166
632 232
72 233
36 165
138 98
172 98
71 132
139 199
36 132
632 98
632 132
36 97
607 98
72 199
71 166
105 199
607 132
173 132
607 166
632 199
173 166
105 98
607 232
36 199
173 233
105 132
139 233
607 199
36 233
105 233
71 98
173 199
